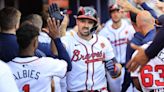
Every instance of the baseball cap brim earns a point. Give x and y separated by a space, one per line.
114 10
86 17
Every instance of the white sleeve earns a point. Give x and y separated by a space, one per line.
60 68
7 82
55 67
109 54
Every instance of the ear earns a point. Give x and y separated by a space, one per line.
77 21
17 25
36 42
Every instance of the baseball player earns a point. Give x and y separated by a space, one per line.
89 54
151 76
31 73
118 32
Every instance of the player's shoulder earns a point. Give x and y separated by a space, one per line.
50 60
4 67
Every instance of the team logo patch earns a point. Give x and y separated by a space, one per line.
102 45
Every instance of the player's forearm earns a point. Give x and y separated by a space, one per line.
63 30
62 53
146 7
156 46
135 10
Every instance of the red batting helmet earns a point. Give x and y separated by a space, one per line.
88 13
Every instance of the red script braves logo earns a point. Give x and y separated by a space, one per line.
93 57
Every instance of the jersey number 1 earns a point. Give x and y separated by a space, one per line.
26 88
147 78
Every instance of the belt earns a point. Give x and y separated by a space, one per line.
100 90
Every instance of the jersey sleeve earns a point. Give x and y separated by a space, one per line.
7 81
109 54
55 67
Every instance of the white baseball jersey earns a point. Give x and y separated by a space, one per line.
152 75
118 38
7 82
88 71
33 74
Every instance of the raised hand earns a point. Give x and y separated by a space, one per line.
140 59
53 28
54 12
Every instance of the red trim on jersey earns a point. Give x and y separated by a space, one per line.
93 62
89 61
87 65
25 62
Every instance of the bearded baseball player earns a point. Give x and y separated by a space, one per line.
118 32
90 55
31 73
150 79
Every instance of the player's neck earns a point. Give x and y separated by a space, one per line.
26 52
116 25
11 31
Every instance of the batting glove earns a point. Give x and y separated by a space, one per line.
114 69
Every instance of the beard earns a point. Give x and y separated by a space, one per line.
86 31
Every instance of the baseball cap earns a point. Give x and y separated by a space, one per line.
87 13
113 7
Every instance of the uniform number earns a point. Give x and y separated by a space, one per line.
147 78
26 88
